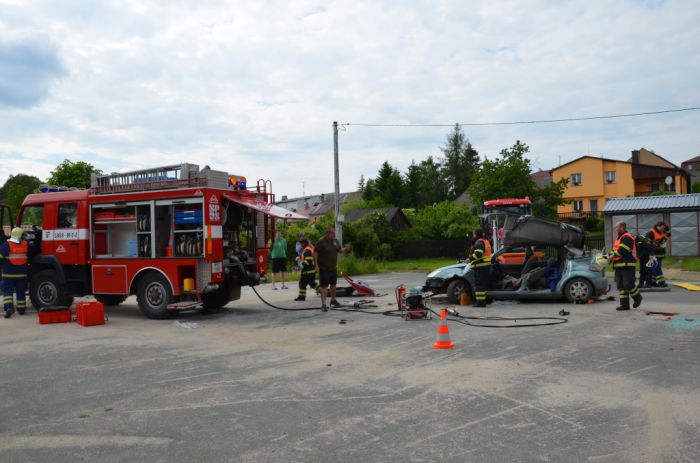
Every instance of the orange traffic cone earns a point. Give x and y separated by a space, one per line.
443 334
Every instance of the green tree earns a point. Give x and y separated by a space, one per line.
424 184
545 200
696 187
16 188
461 162
73 174
388 186
445 220
507 176
361 183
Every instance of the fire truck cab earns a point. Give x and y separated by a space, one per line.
177 237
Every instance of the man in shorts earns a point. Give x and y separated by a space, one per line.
326 261
279 258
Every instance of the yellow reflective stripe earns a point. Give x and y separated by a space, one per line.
622 245
14 276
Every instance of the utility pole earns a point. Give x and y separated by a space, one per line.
338 223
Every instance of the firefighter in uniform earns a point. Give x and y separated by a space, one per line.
15 253
481 263
644 250
624 259
658 236
308 271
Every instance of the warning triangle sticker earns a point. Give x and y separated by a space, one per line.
60 248
213 200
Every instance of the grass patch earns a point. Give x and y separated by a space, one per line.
355 266
688 264
427 264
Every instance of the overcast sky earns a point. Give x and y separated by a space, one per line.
253 87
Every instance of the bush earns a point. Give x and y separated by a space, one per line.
443 221
355 266
593 224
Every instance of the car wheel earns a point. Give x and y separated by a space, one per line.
578 289
454 290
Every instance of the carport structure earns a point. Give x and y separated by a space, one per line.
680 212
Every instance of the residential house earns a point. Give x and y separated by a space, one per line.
394 215
692 167
594 180
315 206
542 178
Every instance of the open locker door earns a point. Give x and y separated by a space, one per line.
266 208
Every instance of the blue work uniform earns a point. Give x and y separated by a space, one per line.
15 265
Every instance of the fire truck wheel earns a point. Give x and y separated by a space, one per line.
46 291
110 299
154 295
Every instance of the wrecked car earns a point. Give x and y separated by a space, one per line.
544 243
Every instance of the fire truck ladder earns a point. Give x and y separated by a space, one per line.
159 178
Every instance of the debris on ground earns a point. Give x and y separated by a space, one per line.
189 326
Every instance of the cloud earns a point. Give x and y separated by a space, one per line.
253 87
29 67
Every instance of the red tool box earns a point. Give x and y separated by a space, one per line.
90 313
55 315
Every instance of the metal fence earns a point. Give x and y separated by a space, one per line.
433 248
579 216
597 243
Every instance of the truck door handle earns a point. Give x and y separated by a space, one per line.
108 271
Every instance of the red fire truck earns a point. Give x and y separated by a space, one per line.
176 236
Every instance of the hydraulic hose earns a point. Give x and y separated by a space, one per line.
547 321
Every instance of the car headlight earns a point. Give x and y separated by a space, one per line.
434 273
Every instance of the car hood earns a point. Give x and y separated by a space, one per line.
529 230
448 270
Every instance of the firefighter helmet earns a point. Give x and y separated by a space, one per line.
602 260
16 235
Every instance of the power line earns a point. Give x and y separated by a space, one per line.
542 121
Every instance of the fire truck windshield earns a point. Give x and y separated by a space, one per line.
520 209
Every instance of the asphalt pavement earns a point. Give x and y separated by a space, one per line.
254 384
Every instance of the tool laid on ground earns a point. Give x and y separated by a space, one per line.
356 289
412 303
665 314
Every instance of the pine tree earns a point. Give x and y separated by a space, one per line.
461 161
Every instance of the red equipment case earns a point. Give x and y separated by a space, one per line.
62 315
90 313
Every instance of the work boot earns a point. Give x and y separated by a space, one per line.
335 303
9 312
637 300
479 304
20 311
324 308
662 284
622 307
300 298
